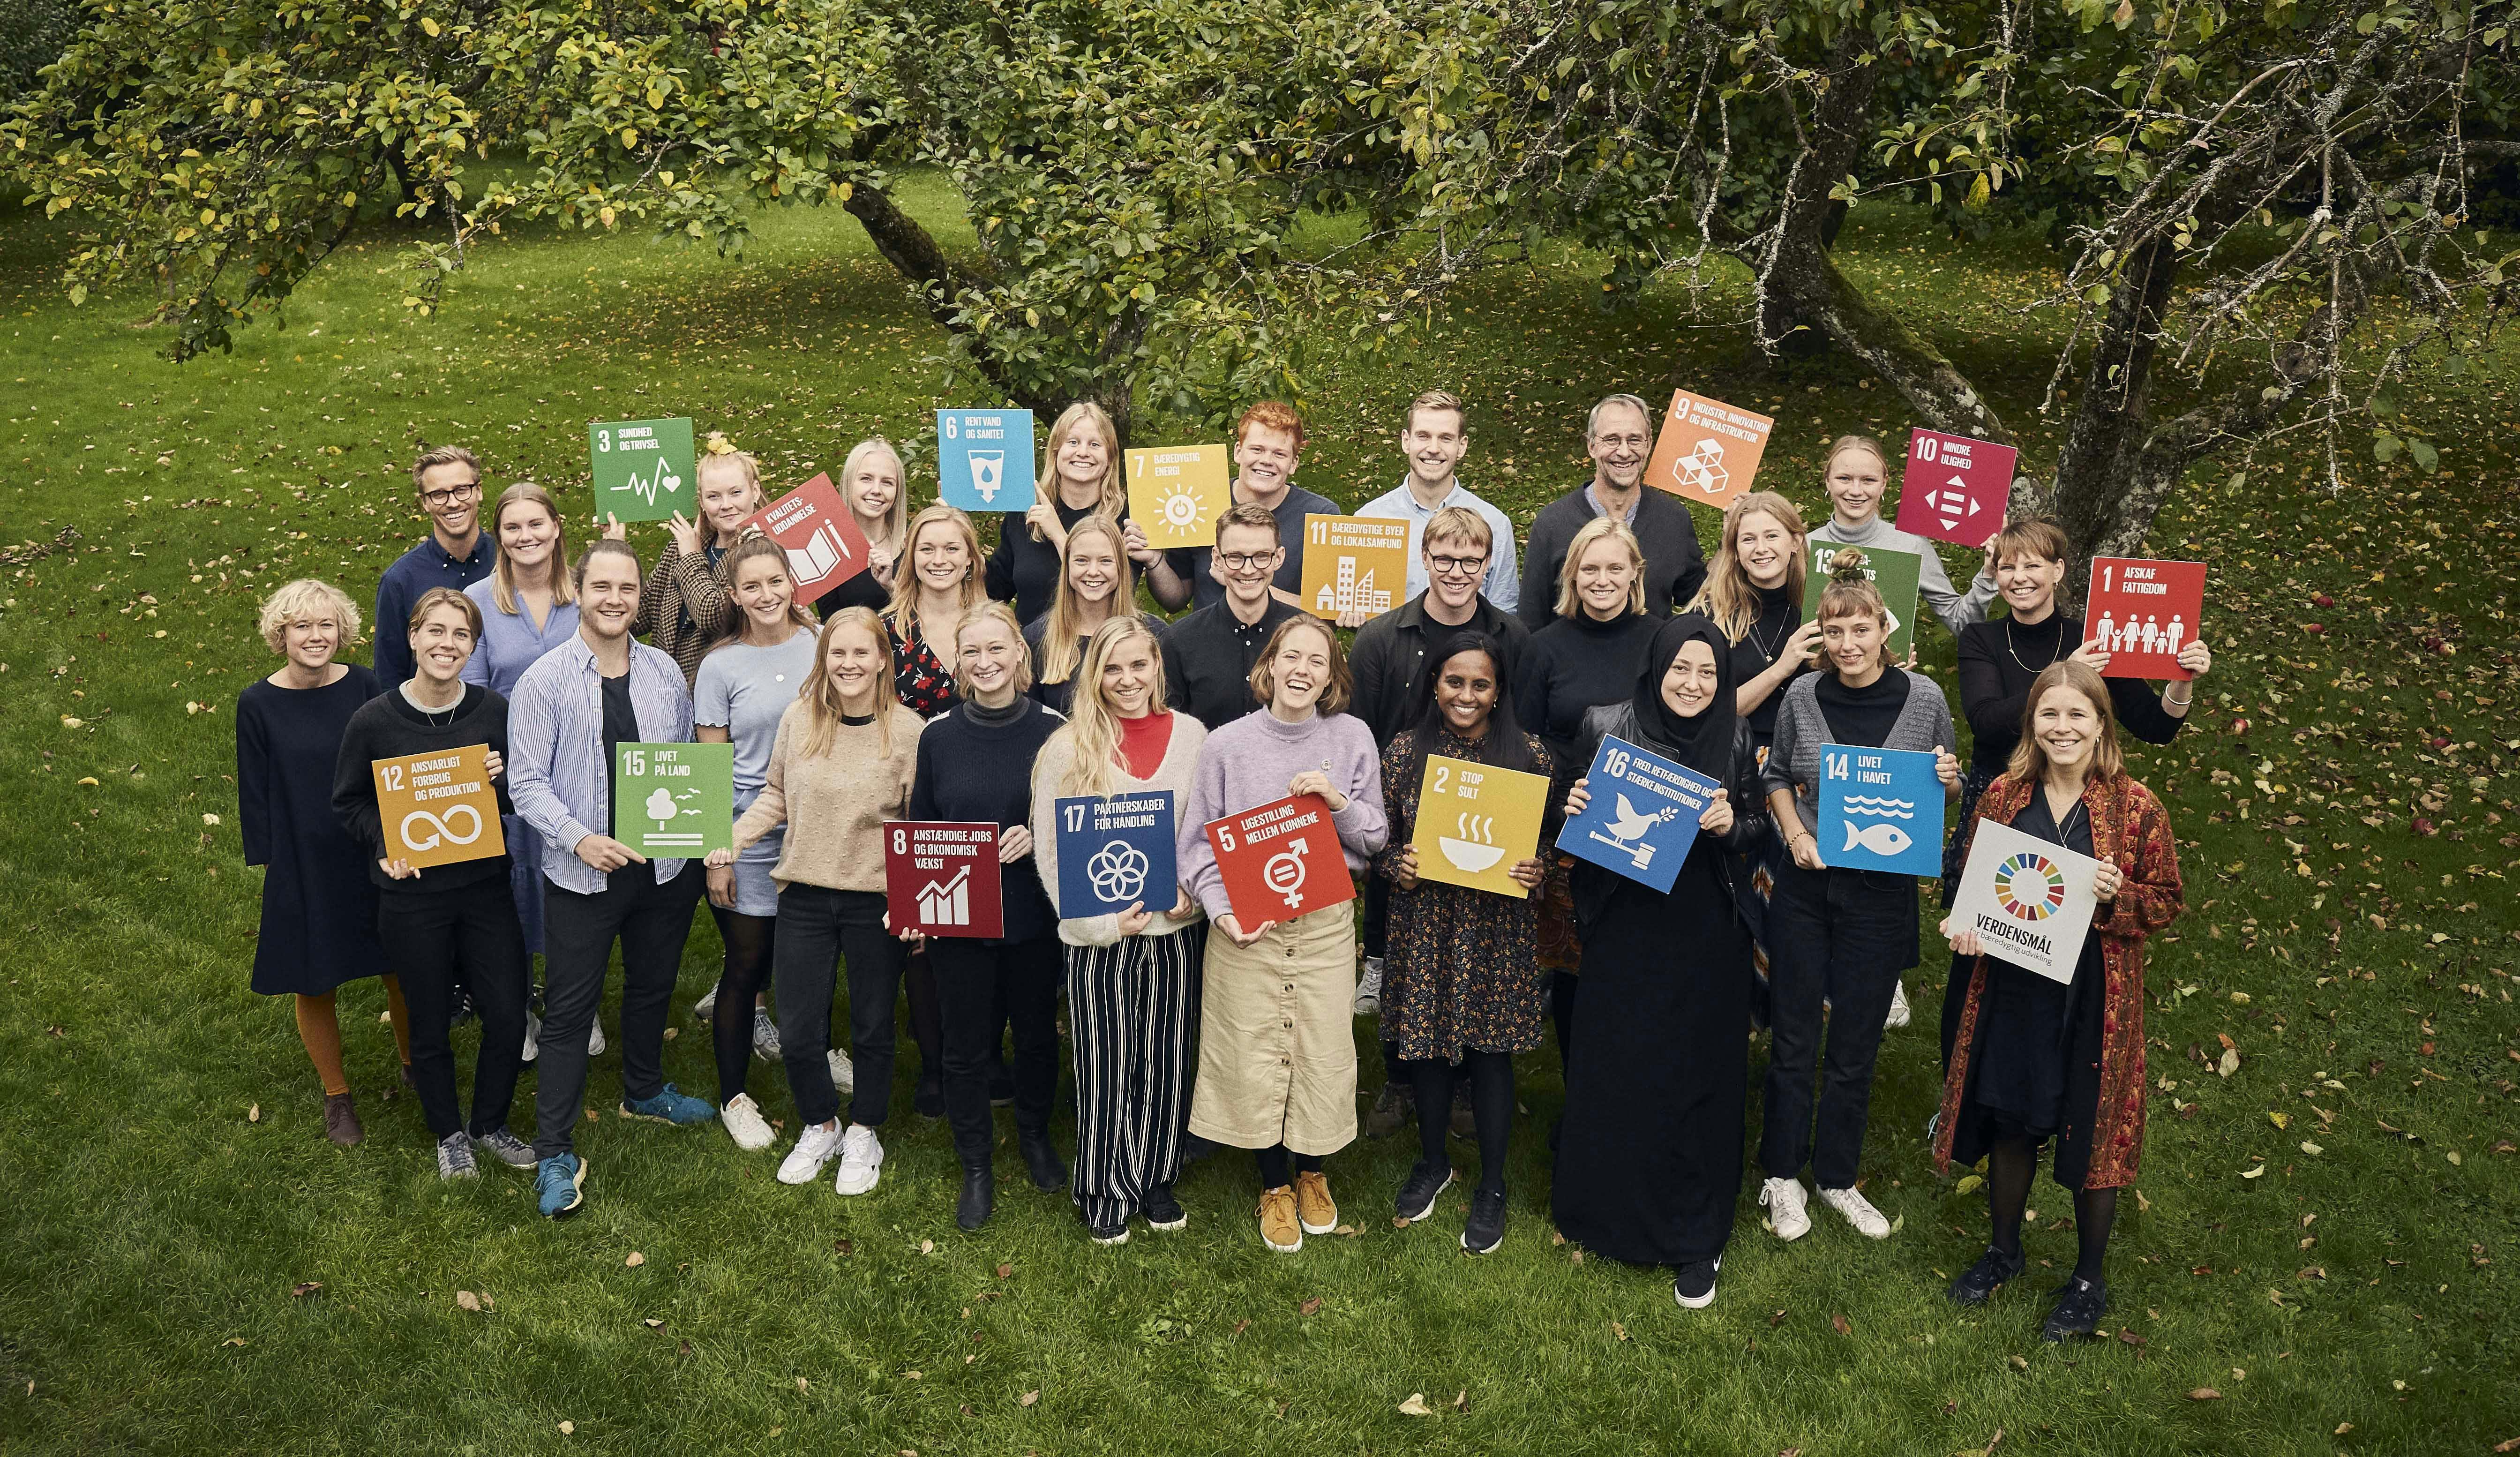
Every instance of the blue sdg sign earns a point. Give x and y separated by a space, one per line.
1880 810
984 459
1642 816
1115 852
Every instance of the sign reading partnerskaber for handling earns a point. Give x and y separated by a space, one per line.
674 801
643 470
2030 901
439 808
1114 852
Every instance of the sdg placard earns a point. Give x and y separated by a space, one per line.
674 801
1114 852
1641 815
643 470
439 808
984 459
1880 810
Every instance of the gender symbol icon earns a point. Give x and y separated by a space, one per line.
1283 874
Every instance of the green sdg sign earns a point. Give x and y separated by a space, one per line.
674 801
644 469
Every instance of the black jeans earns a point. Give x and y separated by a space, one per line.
652 922
1843 935
435 941
981 985
817 926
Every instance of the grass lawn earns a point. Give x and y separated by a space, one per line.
2325 1236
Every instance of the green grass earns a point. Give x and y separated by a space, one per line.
155 1229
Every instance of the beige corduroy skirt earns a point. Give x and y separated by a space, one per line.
1277 1040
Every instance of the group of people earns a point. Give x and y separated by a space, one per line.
943 684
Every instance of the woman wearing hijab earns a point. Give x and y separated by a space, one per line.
1649 1159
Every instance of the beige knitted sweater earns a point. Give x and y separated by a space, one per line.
834 803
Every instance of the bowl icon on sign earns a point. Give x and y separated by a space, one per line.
1475 850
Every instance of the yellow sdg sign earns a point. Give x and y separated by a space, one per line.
439 808
1354 563
1475 822
1175 493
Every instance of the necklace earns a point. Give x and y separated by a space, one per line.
1767 648
429 714
2053 658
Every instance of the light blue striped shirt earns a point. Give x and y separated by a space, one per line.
556 774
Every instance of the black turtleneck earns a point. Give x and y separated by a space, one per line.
1861 716
1576 664
975 763
1781 612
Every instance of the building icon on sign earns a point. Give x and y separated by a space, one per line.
947 902
1351 593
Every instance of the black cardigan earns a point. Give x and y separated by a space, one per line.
389 727
970 770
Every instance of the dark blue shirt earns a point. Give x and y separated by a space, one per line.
405 583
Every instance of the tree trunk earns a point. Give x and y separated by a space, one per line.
916 255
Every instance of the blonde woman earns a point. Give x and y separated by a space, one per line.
1133 979
839 770
684 606
1093 588
1080 479
933 591
319 909
877 491
1856 474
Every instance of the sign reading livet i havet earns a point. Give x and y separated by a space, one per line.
644 469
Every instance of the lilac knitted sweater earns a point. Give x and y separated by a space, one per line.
1248 762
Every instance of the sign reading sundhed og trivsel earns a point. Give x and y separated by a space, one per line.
984 459
1642 814
674 801
1115 852
1880 810
643 469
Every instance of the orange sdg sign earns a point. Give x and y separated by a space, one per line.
439 808
1708 451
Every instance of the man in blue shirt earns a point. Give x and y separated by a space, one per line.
456 553
1434 438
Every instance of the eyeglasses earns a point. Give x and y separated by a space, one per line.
439 499
1633 442
1245 561
1456 565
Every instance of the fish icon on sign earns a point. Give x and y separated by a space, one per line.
1881 840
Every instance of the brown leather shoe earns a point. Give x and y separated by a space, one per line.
1279 1229
341 1119
1313 1202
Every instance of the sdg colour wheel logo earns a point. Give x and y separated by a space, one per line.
2029 887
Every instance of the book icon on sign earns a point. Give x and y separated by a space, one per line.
818 555
947 902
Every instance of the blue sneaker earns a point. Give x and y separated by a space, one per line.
560 1184
670 1106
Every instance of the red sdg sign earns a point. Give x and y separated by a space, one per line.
1955 488
2142 612
825 547
1280 861
940 877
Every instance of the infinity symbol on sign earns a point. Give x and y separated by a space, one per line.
444 832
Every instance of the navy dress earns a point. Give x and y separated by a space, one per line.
319 910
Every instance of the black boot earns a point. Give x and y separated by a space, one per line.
1049 1171
980 1193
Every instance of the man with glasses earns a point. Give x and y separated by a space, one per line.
456 553
1390 662
1209 655
1619 436
1268 445
1433 441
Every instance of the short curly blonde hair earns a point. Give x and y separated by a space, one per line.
306 598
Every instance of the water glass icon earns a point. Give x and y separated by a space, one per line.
988 471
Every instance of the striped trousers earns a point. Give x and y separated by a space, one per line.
1133 1014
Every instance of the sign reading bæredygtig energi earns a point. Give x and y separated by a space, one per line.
1115 852
1641 814
1880 810
984 459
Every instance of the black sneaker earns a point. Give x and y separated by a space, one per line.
462 1010
1978 1283
1485 1228
1694 1286
1162 1210
2079 1304
1418 1195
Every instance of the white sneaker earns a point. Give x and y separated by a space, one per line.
861 1161
533 1037
706 1005
1858 1212
1789 1207
814 1149
1368 989
844 1076
765 1035
1897 1017
746 1124
594 1040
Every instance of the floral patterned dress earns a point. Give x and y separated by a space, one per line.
921 678
1461 967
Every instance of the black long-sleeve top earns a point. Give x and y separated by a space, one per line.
1573 666
1208 658
388 727
975 764
2000 659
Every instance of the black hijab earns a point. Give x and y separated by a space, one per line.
1703 742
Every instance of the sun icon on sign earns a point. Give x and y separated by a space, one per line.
1182 508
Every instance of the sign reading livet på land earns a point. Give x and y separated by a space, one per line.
439 808
1354 563
825 544
1708 451
1880 810
984 459
1642 816
1955 487
1115 852
2029 901
940 877
674 801
1280 861
2141 613
1476 822
643 470
1175 493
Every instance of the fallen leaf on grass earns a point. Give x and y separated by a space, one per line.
233 1340
635 1261
926 1247
654 1324
1349 1230
1416 1405
2204 1394
1241 1326
1776 1320
477 1304
1618 1329
1311 1306
2019 1361
841 1247
254 1115
1006 1272
1461 1398
1030 1397
568 1429
1556 1239
1843 1329
1968 1182
305 1288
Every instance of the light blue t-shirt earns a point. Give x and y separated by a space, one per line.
744 689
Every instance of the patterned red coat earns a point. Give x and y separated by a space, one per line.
2130 830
